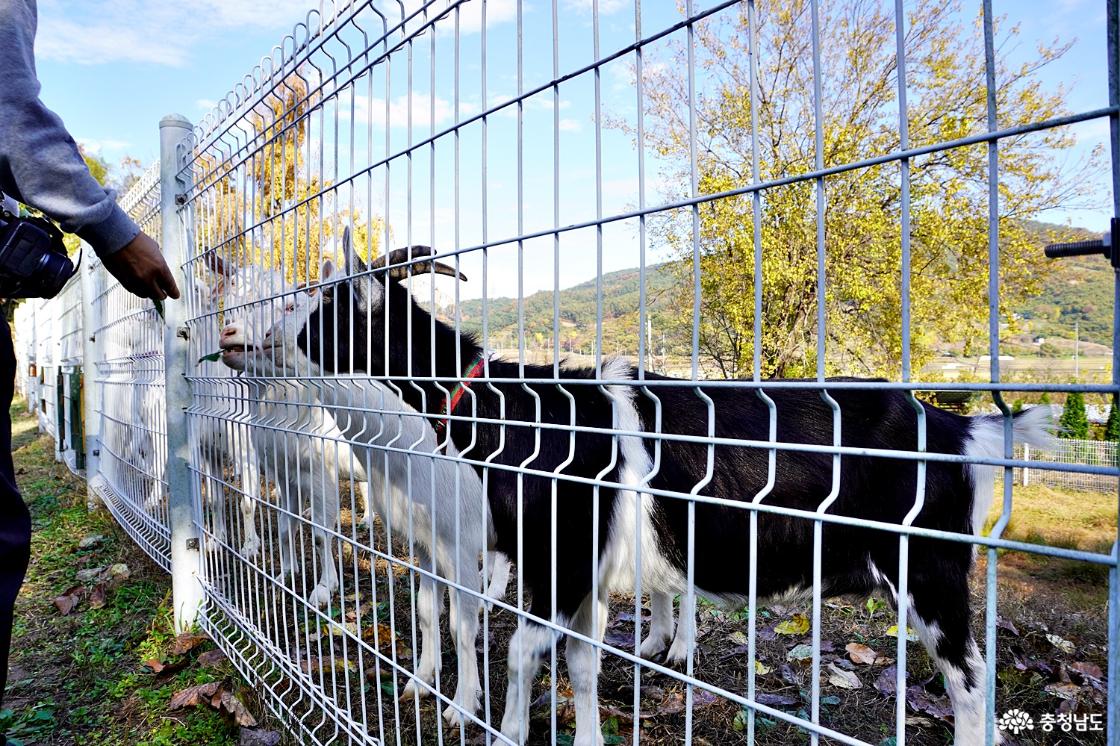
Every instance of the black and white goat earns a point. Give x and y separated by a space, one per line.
434 505
369 322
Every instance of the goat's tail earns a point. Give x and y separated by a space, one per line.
1034 426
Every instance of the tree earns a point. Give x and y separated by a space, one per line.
291 210
1112 426
862 215
1074 423
99 169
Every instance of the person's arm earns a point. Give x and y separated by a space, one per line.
40 165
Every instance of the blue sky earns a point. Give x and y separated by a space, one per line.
112 68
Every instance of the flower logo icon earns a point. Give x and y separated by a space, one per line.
1016 721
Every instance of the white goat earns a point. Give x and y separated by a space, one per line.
436 500
292 438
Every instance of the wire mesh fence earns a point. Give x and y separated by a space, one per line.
609 473
1070 451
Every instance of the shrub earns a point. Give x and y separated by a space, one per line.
1074 423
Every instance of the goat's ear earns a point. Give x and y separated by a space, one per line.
353 262
327 271
216 263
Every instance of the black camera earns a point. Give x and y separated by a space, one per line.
33 260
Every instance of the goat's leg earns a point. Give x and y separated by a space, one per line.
939 611
286 525
250 496
464 632
429 606
940 614
583 669
661 625
364 490
499 566
686 629
216 497
526 650
324 518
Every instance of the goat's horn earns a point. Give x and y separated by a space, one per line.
398 256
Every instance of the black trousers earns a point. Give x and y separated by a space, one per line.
15 521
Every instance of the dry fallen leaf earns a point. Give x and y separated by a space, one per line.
1064 691
154 664
211 658
187 642
68 600
911 635
258 737
227 701
1087 669
886 683
314 665
193 696
761 669
919 700
97 596
1061 644
802 652
860 653
841 678
798 624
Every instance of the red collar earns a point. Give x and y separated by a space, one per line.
451 401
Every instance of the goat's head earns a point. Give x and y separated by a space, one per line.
252 300
343 328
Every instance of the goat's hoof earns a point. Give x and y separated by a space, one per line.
413 689
320 596
251 548
678 652
652 647
454 715
588 739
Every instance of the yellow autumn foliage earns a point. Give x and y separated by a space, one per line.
862 209
265 203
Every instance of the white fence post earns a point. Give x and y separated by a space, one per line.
92 352
1026 471
185 587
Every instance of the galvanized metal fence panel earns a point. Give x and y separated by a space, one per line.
129 372
413 124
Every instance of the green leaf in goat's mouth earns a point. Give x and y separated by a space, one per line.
213 357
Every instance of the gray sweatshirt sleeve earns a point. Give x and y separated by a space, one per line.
39 161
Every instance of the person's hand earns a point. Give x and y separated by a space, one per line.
140 267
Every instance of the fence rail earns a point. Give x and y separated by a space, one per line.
316 490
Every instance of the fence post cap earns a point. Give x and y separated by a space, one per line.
174 120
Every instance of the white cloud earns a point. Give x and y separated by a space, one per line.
90 32
606 7
470 13
101 147
372 110
206 104
570 125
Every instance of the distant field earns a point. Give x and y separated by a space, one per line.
1096 368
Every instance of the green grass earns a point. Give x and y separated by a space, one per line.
81 679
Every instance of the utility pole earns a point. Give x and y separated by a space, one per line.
1077 351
